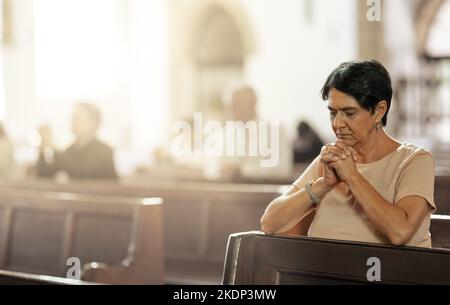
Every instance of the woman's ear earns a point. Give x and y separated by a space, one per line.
380 110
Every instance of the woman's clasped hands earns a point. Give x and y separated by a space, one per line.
339 162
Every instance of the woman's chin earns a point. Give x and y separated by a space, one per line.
348 140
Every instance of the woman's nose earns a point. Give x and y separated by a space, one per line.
338 121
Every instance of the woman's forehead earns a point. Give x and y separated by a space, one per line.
339 100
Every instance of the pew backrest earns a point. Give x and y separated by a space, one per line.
440 231
254 258
442 194
41 230
198 218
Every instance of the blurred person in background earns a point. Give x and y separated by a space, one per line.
7 162
242 103
87 157
307 145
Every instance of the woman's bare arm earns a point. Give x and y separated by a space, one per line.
287 210
398 222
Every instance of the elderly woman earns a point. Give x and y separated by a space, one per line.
367 186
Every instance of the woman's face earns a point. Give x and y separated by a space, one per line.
351 123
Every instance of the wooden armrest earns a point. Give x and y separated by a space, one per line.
144 263
104 273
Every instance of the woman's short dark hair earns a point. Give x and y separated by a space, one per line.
366 81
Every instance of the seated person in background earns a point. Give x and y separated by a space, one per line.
307 145
87 157
241 102
367 186
7 163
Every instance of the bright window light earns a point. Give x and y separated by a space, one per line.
75 47
438 44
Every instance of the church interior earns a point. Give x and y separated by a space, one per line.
112 169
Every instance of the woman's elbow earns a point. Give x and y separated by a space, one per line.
401 237
266 229
266 226
267 220
398 241
269 223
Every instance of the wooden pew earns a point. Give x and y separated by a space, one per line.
40 230
257 259
440 231
198 218
19 278
442 194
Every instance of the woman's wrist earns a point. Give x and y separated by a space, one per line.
353 180
320 188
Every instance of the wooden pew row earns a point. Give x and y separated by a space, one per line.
442 194
440 231
198 218
257 259
19 278
40 230
441 185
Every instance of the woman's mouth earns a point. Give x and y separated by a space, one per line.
343 136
